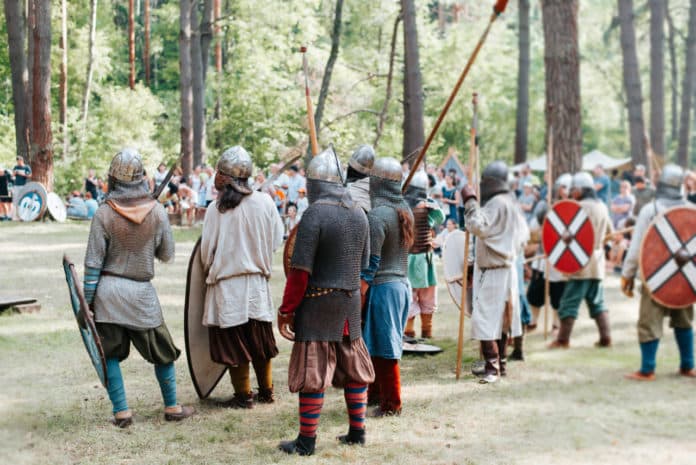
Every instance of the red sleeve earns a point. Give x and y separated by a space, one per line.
295 288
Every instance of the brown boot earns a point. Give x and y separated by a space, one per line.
264 396
602 321
426 325
490 354
517 352
410 331
563 339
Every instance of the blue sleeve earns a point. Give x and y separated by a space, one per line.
90 283
368 274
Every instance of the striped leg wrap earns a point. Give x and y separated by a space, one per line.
310 410
356 401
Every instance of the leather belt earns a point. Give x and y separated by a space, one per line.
313 292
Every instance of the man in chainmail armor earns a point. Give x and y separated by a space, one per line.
389 296
651 313
128 232
500 232
357 177
321 305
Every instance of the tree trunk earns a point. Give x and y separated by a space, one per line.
206 36
414 136
674 72
186 130
562 65
657 76
146 50
131 43
390 76
328 70
631 78
14 15
218 59
522 84
688 85
42 139
90 71
198 89
63 83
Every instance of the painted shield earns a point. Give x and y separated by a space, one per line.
56 207
419 348
90 337
568 237
205 373
668 257
453 266
289 249
31 203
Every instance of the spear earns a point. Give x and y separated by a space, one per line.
473 149
497 10
310 108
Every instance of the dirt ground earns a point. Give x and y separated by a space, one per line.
560 407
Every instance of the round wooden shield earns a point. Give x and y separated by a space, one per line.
420 349
567 236
56 207
668 257
31 203
90 336
453 266
205 373
289 249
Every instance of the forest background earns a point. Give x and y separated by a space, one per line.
256 97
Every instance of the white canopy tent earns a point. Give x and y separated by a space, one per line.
589 161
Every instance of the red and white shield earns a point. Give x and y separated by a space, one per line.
668 257
567 236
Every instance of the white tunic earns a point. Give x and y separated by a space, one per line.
237 253
500 232
360 192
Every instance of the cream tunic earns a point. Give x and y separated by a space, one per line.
500 232
237 253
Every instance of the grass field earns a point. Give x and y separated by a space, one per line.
560 407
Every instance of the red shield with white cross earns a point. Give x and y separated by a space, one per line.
668 257
567 236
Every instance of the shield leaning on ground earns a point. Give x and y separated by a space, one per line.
205 373
567 236
90 337
453 266
668 258
289 249
419 348
32 202
56 207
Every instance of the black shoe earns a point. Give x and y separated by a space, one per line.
516 355
300 446
354 436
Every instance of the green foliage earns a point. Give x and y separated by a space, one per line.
261 89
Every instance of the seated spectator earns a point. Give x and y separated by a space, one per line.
188 199
169 198
622 205
527 201
618 246
76 207
91 205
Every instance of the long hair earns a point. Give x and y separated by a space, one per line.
229 199
406 227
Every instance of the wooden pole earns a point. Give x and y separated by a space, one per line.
497 10
131 43
146 51
549 198
465 272
310 108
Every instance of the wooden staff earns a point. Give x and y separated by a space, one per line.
473 146
310 108
497 10
549 198
610 236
